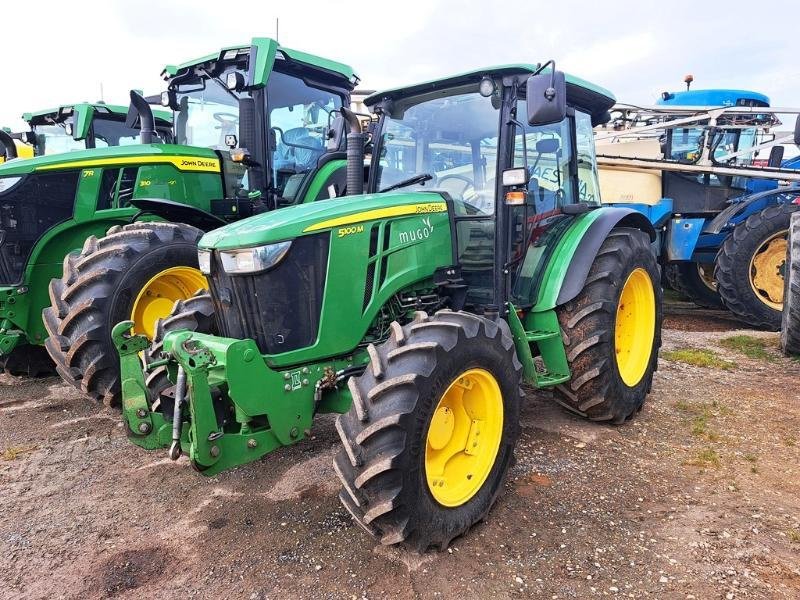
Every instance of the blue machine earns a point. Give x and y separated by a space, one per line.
700 211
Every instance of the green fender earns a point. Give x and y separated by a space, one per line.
565 274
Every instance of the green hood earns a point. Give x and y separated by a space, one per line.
113 156
291 222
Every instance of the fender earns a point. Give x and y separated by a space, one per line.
585 250
177 212
745 206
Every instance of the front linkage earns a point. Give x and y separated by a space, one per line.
219 436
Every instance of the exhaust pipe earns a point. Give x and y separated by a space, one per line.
356 142
139 110
8 144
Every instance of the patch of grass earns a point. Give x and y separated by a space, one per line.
748 345
698 357
707 457
14 451
790 440
751 458
794 536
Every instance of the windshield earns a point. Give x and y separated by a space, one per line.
108 132
300 116
54 139
207 112
453 139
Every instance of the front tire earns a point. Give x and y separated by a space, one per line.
749 267
790 323
135 272
612 330
400 480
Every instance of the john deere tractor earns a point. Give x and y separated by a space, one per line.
79 126
117 227
416 311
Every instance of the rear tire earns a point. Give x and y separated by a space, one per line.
790 323
194 314
385 434
589 325
755 301
687 279
99 289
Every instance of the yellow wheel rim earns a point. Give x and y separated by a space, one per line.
706 272
464 437
635 327
156 298
766 270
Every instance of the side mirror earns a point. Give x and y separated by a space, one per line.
775 157
335 134
546 98
247 123
68 128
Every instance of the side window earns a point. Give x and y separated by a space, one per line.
299 118
549 152
588 185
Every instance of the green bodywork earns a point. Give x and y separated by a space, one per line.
190 175
382 248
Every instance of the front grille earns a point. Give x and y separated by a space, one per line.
27 210
279 308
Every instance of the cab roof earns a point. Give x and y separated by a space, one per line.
580 92
42 117
269 46
713 97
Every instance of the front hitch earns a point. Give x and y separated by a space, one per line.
146 428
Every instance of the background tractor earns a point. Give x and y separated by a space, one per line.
722 214
481 259
250 133
80 126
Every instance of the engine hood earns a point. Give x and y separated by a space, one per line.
339 213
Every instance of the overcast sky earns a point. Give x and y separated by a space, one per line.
62 52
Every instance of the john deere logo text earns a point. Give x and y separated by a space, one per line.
416 235
343 231
197 162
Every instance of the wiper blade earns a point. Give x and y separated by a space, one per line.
410 181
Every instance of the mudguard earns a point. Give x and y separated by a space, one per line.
177 212
586 249
743 207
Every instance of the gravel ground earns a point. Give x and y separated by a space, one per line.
698 497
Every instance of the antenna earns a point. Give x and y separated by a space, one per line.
102 99
277 29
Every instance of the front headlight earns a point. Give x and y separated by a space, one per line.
253 260
6 183
204 261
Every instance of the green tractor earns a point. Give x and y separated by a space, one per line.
480 260
116 228
72 127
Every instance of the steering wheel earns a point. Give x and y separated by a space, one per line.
226 119
468 183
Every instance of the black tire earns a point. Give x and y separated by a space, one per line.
27 361
686 279
97 291
733 266
790 322
193 314
382 461
597 390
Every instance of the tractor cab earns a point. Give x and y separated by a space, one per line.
472 138
267 110
85 125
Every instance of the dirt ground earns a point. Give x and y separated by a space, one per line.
698 497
